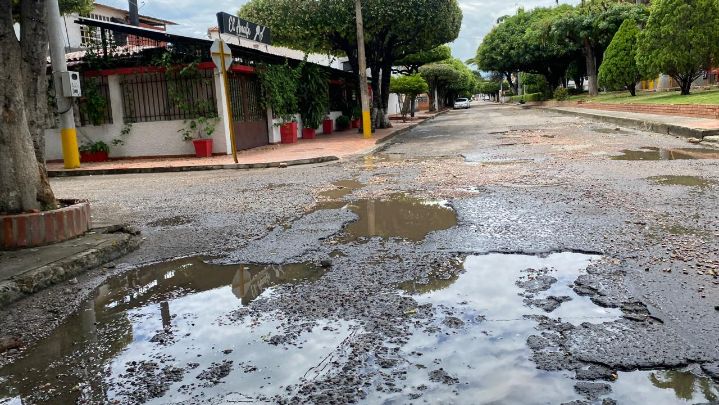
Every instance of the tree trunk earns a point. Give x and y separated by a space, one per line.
632 89
376 97
591 68
686 85
384 85
34 40
430 96
20 181
512 84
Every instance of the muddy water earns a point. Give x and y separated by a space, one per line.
487 360
159 328
652 153
399 216
689 181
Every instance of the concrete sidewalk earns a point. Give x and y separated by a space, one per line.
324 148
26 271
666 124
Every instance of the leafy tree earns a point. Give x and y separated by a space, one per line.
591 27
410 64
619 69
681 39
23 96
534 83
409 86
393 30
447 79
525 42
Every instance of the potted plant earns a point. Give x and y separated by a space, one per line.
343 122
288 132
356 117
313 98
94 152
327 125
199 130
279 84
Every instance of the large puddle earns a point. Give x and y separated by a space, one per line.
399 216
652 153
159 333
485 359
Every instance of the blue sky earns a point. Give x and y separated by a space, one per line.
194 17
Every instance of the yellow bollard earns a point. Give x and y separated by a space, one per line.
70 152
366 125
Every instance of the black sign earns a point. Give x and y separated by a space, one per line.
230 24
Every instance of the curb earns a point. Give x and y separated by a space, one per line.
661 128
24 284
173 169
384 144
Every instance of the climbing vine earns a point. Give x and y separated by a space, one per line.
279 84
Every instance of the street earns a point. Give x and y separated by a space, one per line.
497 254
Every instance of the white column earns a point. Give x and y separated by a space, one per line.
222 111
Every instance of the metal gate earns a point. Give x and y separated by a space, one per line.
250 119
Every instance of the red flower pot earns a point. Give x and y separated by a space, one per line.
88 157
356 123
327 126
288 132
308 133
203 147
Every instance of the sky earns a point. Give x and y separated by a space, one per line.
194 17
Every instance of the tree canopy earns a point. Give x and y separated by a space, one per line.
681 39
393 30
410 64
448 78
619 69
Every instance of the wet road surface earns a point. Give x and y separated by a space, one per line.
493 255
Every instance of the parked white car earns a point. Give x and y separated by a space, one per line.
461 103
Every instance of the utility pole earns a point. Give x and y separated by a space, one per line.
133 13
68 133
366 124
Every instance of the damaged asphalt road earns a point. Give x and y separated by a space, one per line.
496 255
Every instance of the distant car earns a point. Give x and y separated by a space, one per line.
461 103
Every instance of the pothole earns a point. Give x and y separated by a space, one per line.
488 316
653 153
399 216
689 181
158 333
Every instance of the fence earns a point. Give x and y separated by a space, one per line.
94 107
170 95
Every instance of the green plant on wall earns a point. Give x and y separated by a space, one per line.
124 133
313 95
181 88
198 128
94 105
279 85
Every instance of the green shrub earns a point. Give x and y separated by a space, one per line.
343 122
561 94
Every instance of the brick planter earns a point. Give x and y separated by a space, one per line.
42 228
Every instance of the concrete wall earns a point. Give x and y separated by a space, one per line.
159 138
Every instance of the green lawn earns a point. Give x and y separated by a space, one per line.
668 97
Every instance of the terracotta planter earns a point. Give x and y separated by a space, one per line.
88 157
327 126
356 123
308 133
203 147
288 132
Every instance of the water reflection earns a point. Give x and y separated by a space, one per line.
399 216
685 385
169 309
